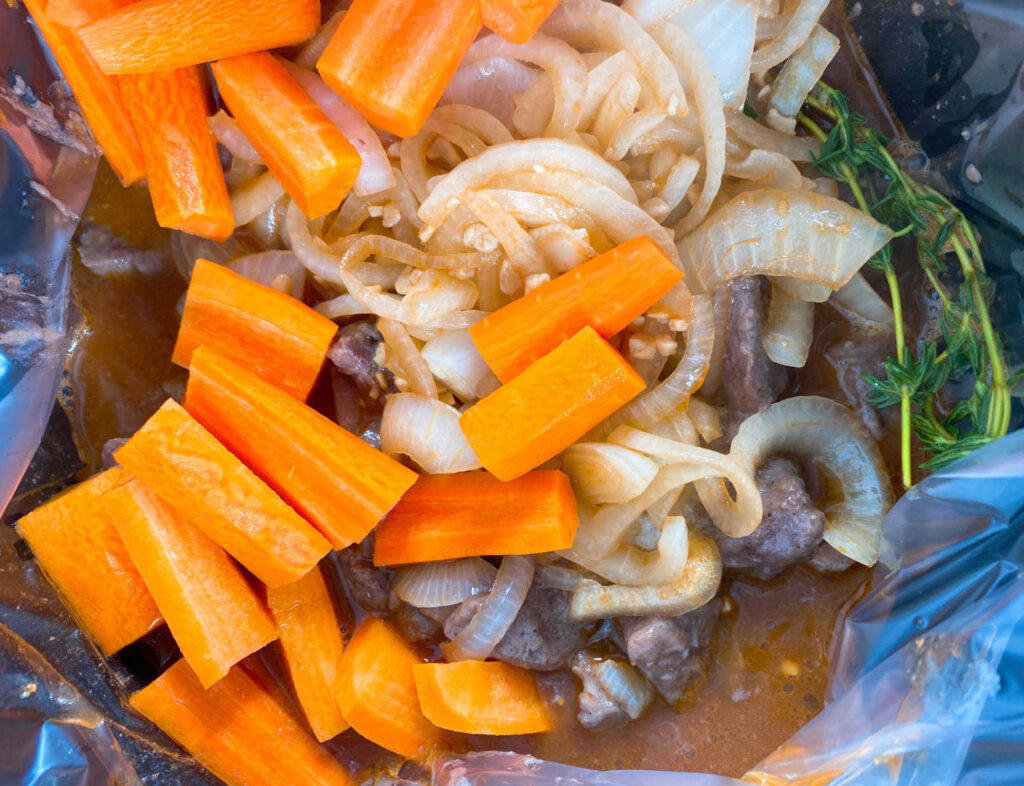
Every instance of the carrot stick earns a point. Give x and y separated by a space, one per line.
81 553
378 693
276 336
481 697
310 157
474 514
550 405
342 486
185 177
392 59
160 35
212 612
310 636
516 20
189 470
75 13
607 293
237 729
98 96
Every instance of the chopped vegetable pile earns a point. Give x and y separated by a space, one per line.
517 355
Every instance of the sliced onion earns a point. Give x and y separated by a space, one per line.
316 45
427 431
724 30
522 252
600 80
699 583
562 247
534 108
186 249
696 73
431 585
616 107
633 567
560 61
802 71
375 173
797 29
705 419
454 359
227 132
558 577
795 148
672 394
403 353
790 328
833 439
735 517
765 169
594 24
478 121
858 302
534 155
273 269
799 234
722 303
603 473
490 84
497 613
625 685
650 12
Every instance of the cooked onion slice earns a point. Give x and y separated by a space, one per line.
227 132
625 685
631 566
799 26
453 358
404 357
799 234
254 198
749 131
802 71
787 339
735 517
490 84
858 302
431 585
698 584
724 31
493 619
427 431
833 439
603 473
278 269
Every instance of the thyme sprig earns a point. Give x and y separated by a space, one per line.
927 383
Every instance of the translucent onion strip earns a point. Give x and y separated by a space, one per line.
255 197
490 84
735 517
427 431
724 30
802 71
562 63
277 269
625 685
800 234
631 566
431 585
603 473
749 131
454 360
858 302
790 328
497 613
830 437
796 31
698 584
403 353
227 132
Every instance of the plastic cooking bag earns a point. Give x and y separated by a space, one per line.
925 686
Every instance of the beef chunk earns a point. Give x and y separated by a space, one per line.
368 585
354 353
542 637
791 526
826 559
751 380
597 710
667 650
418 624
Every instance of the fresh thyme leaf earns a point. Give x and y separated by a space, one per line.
924 382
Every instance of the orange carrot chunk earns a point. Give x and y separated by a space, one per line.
392 59
237 729
189 470
550 405
311 158
276 336
75 13
159 35
186 181
310 636
212 612
607 293
481 697
98 95
343 486
472 514
516 20
378 692
81 553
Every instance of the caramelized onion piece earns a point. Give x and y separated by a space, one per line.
430 585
